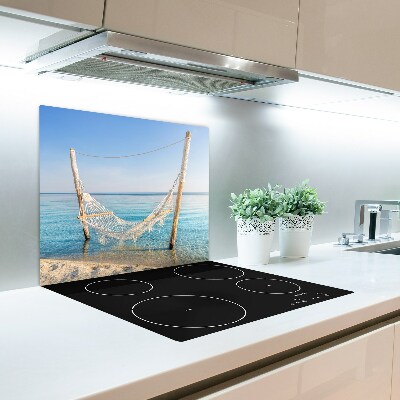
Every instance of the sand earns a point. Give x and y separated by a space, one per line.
56 271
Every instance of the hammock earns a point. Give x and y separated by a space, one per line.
94 214
108 225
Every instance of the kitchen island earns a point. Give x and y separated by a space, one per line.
53 347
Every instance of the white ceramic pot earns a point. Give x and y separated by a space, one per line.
254 240
295 236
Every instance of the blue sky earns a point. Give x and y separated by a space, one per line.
106 134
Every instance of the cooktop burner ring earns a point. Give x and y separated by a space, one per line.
243 311
241 273
276 292
151 287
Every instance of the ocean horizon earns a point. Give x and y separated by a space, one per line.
61 235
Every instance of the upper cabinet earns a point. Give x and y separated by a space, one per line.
86 14
259 30
357 40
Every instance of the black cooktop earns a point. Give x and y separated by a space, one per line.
192 300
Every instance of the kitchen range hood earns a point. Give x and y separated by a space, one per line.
130 59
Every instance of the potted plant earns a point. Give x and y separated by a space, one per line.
255 212
300 204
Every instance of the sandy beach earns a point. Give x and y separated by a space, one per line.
56 271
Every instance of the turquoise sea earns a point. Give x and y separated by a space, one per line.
61 235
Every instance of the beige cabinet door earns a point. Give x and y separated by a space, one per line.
358 369
86 13
356 40
260 30
396 364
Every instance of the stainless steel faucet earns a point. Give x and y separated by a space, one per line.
359 208
359 212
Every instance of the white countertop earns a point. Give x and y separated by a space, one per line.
52 347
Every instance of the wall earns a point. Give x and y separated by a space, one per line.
345 157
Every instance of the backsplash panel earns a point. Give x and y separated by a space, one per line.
119 194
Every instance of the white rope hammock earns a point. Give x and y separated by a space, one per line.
109 226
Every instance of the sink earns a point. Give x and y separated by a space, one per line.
392 247
395 251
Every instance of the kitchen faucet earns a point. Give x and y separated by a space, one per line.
359 212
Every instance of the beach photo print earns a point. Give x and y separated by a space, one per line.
119 194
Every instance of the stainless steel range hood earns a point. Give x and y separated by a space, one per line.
130 59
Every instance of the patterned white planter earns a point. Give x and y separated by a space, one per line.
295 236
254 240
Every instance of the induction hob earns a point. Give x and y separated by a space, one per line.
192 300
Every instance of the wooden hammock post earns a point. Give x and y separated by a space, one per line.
75 173
181 183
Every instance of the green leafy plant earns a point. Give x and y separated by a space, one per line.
264 204
301 200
